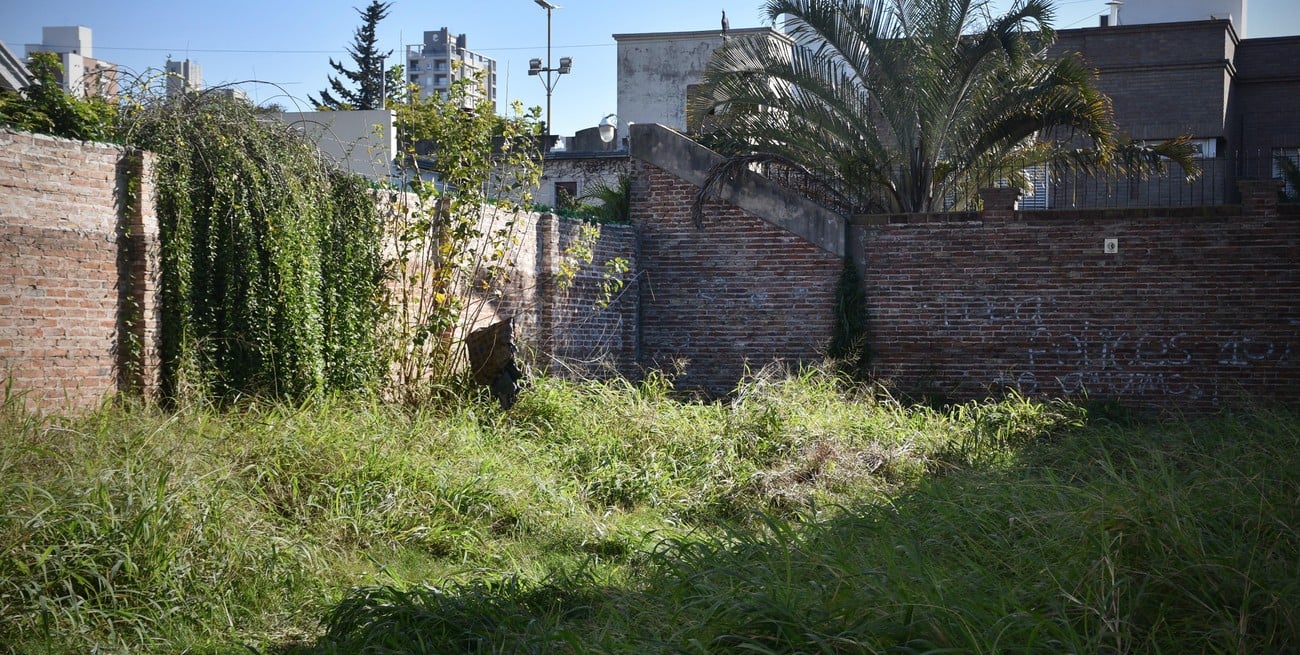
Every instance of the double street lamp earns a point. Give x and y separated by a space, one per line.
552 73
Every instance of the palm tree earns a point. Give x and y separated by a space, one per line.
913 104
614 201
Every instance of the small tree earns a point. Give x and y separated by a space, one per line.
614 201
453 239
368 77
46 108
396 89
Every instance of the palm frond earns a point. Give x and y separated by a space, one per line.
918 100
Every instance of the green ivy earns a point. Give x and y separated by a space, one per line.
351 296
271 281
848 347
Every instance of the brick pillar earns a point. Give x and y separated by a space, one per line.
137 348
1259 197
1000 203
548 267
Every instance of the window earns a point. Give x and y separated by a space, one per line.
1205 148
566 194
1040 187
440 80
415 79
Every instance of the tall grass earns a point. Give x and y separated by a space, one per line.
1174 539
798 516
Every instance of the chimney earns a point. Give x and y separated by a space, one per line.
1113 19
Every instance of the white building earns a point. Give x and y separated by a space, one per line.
657 72
362 142
1146 12
83 75
433 65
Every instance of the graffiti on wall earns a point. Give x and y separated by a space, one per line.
1104 360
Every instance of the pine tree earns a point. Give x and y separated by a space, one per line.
368 77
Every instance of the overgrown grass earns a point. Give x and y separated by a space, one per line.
799 516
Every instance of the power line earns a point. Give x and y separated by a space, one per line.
315 52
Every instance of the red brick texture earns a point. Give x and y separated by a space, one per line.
740 292
584 331
1196 310
78 248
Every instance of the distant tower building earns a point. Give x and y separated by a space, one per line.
183 76
83 75
433 65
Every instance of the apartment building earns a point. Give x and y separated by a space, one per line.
83 75
183 77
444 58
1186 68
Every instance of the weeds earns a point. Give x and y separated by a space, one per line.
801 515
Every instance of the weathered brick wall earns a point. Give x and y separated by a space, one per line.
1268 84
567 329
1183 69
78 249
739 292
589 323
1196 310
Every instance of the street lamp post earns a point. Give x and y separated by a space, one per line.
552 73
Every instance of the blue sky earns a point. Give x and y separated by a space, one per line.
288 42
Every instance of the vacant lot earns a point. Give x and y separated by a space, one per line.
800 516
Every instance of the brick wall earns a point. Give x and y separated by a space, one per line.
1164 80
567 329
583 332
1196 310
1268 85
739 292
78 252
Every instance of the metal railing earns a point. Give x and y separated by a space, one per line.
1216 185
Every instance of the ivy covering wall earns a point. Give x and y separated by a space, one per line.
271 272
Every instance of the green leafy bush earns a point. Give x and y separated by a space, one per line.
45 108
271 274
